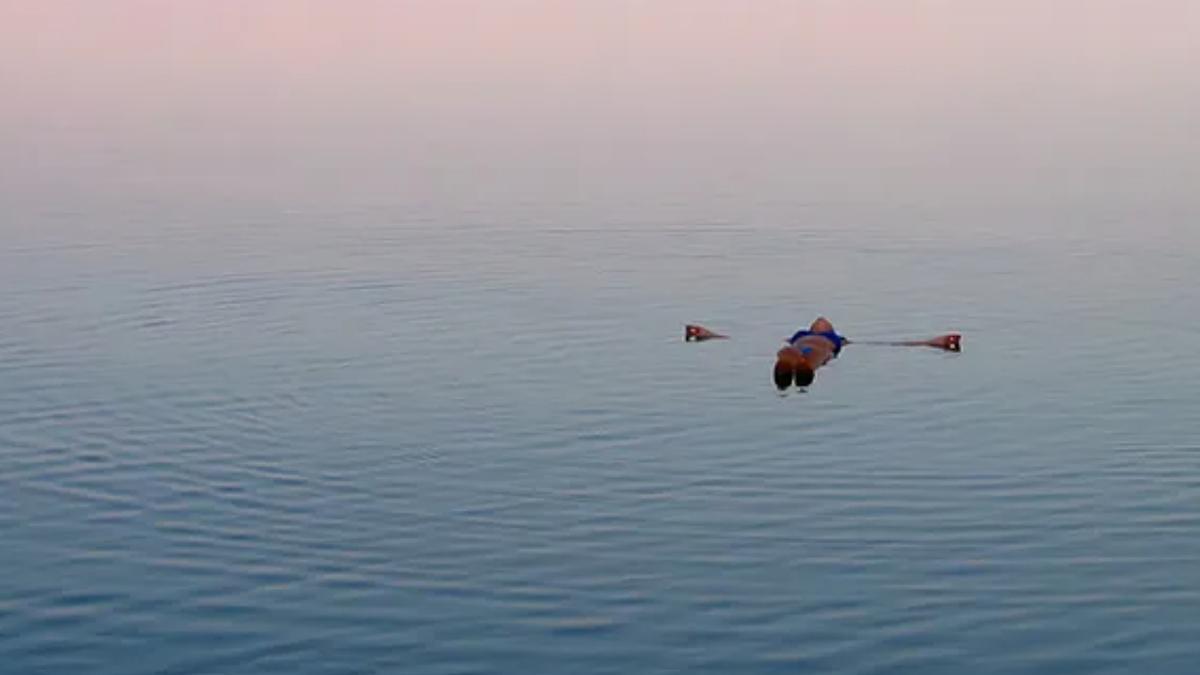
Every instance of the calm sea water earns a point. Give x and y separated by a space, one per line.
450 437
346 337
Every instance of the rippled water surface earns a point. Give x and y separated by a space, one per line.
396 438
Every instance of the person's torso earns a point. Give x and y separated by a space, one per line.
818 350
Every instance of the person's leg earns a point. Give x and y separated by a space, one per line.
783 374
793 363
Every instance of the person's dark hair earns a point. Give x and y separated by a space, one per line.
783 375
804 376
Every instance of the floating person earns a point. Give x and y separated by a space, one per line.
809 349
805 352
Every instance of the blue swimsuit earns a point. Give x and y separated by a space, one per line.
833 337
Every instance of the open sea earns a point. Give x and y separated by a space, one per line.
401 402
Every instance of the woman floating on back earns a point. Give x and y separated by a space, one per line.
809 349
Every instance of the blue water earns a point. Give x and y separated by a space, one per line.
462 435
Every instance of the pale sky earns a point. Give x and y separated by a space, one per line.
426 83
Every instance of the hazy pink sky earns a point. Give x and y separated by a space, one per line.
439 54
443 80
